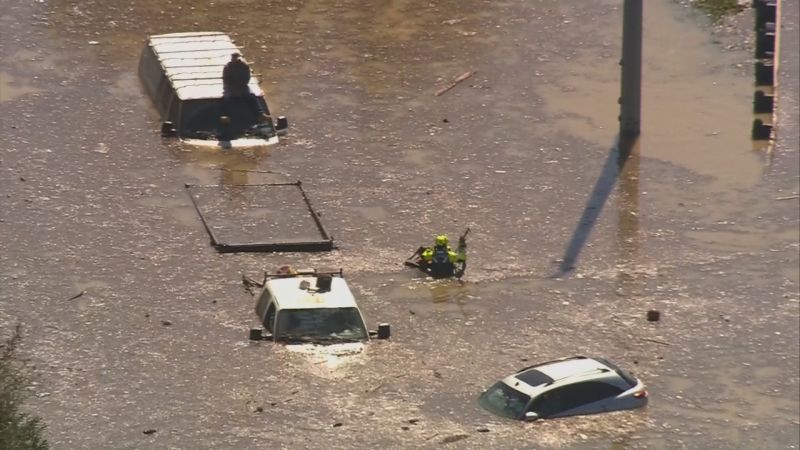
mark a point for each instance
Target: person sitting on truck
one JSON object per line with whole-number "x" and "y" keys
{"x": 236, "y": 77}
{"x": 235, "y": 83}
{"x": 440, "y": 261}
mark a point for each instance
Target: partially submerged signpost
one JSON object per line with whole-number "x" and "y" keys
{"x": 631, "y": 97}
{"x": 260, "y": 218}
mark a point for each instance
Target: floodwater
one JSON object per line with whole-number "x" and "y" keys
{"x": 569, "y": 247}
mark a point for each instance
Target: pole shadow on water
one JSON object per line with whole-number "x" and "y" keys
{"x": 617, "y": 157}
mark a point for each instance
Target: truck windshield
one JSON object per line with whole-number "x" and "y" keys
{"x": 320, "y": 325}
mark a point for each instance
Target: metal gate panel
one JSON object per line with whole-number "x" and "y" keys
{"x": 260, "y": 218}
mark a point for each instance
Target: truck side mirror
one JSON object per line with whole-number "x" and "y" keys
{"x": 257, "y": 334}
{"x": 167, "y": 130}
{"x": 282, "y": 127}
{"x": 384, "y": 331}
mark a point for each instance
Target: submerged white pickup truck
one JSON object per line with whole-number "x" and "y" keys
{"x": 182, "y": 73}
{"x": 310, "y": 307}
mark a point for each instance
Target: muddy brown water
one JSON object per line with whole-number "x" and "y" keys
{"x": 93, "y": 200}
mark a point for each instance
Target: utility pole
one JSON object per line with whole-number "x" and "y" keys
{"x": 631, "y": 93}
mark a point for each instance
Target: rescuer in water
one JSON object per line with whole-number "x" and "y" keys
{"x": 440, "y": 261}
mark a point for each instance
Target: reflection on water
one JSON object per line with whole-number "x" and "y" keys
{"x": 225, "y": 167}
{"x": 11, "y": 88}
{"x": 696, "y": 105}
{"x": 330, "y": 361}
{"x": 449, "y": 291}
{"x": 235, "y": 169}
{"x": 628, "y": 217}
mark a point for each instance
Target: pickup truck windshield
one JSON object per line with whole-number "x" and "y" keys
{"x": 320, "y": 325}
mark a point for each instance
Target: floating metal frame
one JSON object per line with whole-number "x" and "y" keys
{"x": 288, "y": 245}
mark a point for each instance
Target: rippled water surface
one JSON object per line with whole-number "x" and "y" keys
{"x": 568, "y": 248}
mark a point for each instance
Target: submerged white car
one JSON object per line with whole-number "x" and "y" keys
{"x": 311, "y": 307}
{"x": 566, "y": 387}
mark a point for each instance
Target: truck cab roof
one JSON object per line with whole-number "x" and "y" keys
{"x": 302, "y": 292}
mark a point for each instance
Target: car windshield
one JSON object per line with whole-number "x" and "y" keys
{"x": 320, "y": 325}
{"x": 504, "y": 400}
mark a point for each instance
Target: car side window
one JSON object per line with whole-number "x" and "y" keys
{"x": 269, "y": 319}
{"x": 572, "y": 396}
{"x": 548, "y": 403}
{"x": 597, "y": 390}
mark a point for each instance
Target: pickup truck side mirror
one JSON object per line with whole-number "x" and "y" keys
{"x": 384, "y": 331}
{"x": 167, "y": 130}
{"x": 531, "y": 416}
{"x": 282, "y": 126}
{"x": 257, "y": 334}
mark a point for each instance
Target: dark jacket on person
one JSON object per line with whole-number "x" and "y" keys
{"x": 236, "y": 76}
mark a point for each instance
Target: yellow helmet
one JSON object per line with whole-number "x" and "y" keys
{"x": 441, "y": 240}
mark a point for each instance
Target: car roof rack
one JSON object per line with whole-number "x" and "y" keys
{"x": 588, "y": 372}
{"x": 551, "y": 362}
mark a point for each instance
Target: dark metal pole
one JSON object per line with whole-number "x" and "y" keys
{"x": 631, "y": 94}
